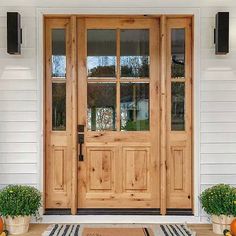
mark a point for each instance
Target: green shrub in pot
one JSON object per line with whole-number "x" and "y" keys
{"x": 17, "y": 204}
{"x": 219, "y": 201}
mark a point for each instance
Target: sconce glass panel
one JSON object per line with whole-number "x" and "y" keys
{"x": 178, "y": 53}
{"x": 59, "y": 53}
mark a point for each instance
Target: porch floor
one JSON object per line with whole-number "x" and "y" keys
{"x": 201, "y": 229}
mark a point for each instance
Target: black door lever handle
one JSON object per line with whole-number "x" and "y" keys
{"x": 81, "y": 141}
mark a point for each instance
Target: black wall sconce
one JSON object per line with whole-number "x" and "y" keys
{"x": 14, "y": 33}
{"x": 221, "y": 33}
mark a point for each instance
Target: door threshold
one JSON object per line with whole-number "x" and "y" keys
{"x": 118, "y": 211}
{"x": 104, "y": 211}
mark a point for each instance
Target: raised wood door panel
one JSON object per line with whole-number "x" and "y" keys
{"x": 57, "y": 107}
{"x": 179, "y": 110}
{"x": 136, "y": 166}
{"x": 120, "y": 167}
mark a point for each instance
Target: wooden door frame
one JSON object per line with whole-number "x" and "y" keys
{"x": 73, "y": 19}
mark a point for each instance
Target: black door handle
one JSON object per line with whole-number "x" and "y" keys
{"x": 81, "y": 141}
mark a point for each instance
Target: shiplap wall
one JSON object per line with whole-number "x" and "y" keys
{"x": 19, "y": 114}
{"x": 218, "y": 105}
{"x": 18, "y": 105}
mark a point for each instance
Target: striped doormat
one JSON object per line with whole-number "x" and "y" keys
{"x": 62, "y": 230}
{"x": 115, "y": 231}
{"x": 76, "y": 230}
{"x": 174, "y": 230}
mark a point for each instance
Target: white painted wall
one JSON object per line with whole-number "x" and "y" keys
{"x": 20, "y": 114}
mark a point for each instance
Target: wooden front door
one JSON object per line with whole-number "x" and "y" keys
{"x": 118, "y": 105}
{"x": 118, "y": 113}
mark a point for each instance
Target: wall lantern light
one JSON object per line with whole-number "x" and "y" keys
{"x": 14, "y": 33}
{"x": 221, "y": 33}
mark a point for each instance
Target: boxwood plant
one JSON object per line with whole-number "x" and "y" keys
{"x": 19, "y": 200}
{"x": 219, "y": 200}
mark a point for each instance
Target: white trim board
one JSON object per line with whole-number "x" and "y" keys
{"x": 196, "y": 95}
{"x": 119, "y": 219}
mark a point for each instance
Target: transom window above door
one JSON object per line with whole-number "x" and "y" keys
{"x": 118, "y": 62}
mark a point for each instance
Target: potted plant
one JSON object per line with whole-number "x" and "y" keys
{"x": 18, "y": 204}
{"x": 219, "y": 201}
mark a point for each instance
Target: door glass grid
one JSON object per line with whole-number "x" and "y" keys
{"x": 112, "y": 90}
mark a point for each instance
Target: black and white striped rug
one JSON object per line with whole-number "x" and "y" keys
{"x": 174, "y": 230}
{"x": 62, "y": 230}
{"x": 160, "y": 230}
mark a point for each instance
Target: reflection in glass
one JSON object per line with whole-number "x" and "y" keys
{"x": 178, "y": 53}
{"x": 58, "y": 53}
{"x": 177, "y": 106}
{"x": 134, "y": 52}
{"x": 101, "y": 113}
{"x": 58, "y": 106}
{"x": 134, "y": 105}
{"x": 101, "y": 53}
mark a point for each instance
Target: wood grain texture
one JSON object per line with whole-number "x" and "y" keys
{"x": 120, "y": 169}
{"x": 179, "y": 143}
{"x": 58, "y": 143}
{"x": 163, "y": 38}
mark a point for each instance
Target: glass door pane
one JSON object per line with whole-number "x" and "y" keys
{"x": 178, "y": 53}
{"x": 101, "y": 53}
{"x": 101, "y": 114}
{"x": 134, "y": 52}
{"x": 134, "y": 106}
{"x": 59, "y": 53}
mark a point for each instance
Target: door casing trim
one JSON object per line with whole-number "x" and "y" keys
{"x": 124, "y": 11}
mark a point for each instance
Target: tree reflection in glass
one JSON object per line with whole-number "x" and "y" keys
{"x": 178, "y": 53}
{"x": 177, "y": 106}
{"x": 58, "y": 53}
{"x": 101, "y": 114}
{"x": 59, "y": 106}
{"x": 134, "y": 52}
{"x": 134, "y": 105}
{"x": 101, "y": 53}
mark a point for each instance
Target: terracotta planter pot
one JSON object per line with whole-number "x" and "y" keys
{"x": 17, "y": 225}
{"x": 220, "y": 223}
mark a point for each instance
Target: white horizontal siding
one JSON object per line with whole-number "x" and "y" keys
{"x": 218, "y": 138}
{"x": 16, "y": 84}
{"x": 218, "y": 117}
{"x": 18, "y": 126}
{"x": 16, "y": 157}
{"x": 218, "y": 148}
{"x": 18, "y": 105}
{"x": 16, "y": 95}
{"x": 218, "y": 106}
{"x": 18, "y": 115}
{"x": 22, "y": 178}
{"x": 218, "y": 158}
{"x": 18, "y": 168}
{"x": 218, "y": 127}
{"x": 18, "y": 147}
{"x": 218, "y": 96}
{"x": 215, "y": 169}
{"x": 218, "y": 178}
